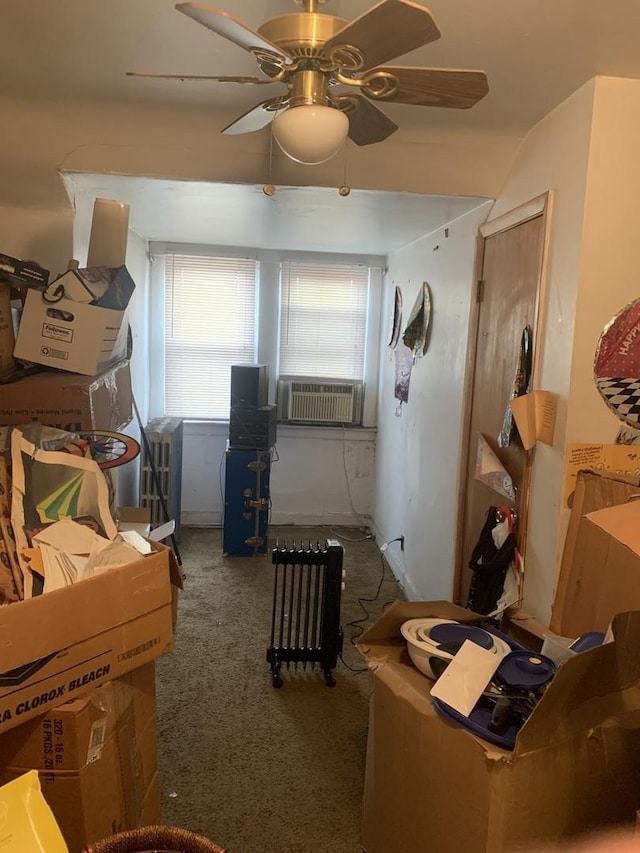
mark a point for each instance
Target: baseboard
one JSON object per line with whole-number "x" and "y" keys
{"x": 196, "y": 518}
{"x": 395, "y": 560}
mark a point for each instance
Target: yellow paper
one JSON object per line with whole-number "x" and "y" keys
{"x": 613, "y": 459}
{"x": 535, "y": 417}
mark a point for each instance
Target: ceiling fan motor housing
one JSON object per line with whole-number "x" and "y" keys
{"x": 302, "y": 35}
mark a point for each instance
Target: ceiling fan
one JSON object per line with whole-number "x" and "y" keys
{"x": 315, "y": 55}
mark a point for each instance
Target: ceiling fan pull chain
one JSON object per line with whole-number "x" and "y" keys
{"x": 345, "y": 189}
{"x": 269, "y": 189}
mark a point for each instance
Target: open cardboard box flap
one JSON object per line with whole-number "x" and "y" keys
{"x": 587, "y": 690}
{"x": 86, "y": 609}
{"x": 384, "y": 641}
{"x": 600, "y": 568}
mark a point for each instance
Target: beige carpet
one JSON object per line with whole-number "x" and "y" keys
{"x": 254, "y": 768}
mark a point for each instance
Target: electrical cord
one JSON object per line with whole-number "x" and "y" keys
{"x": 358, "y": 623}
{"x": 341, "y": 535}
{"x": 352, "y": 668}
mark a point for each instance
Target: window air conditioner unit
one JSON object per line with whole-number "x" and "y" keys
{"x": 304, "y": 400}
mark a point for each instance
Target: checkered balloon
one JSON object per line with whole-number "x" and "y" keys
{"x": 617, "y": 365}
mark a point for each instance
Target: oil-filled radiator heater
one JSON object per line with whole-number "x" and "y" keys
{"x": 305, "y": 624}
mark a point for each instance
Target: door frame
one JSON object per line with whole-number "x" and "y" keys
{"x": 538, "y": 206}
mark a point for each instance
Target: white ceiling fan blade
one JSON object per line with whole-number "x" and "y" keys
{"x": 218, "y": 78}
{"x": 256, "y": 118}
{"x": 233, "y": 30}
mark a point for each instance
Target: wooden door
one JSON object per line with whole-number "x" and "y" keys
{"x": 508, "y": 296}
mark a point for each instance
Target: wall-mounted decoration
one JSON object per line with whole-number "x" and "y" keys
{"x": 416, "y": 334}
{"x": 404, "y": 364}
{"x": 535, "y": 417}
{"x": 617, "y": 364}
{"x": 491, "y": 471}
{"x": 397, "y": 319}
{"x": 520, "y": 386}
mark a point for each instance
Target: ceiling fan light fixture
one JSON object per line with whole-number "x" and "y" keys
{"x": 311, "y": 133}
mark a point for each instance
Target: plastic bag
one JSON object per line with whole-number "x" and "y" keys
{"x": 28, "y": 823}
{"x": 49, "y": 485}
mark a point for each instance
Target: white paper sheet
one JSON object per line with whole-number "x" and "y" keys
{"x": 69, "y": 536}
{"x": 467, "y": 676}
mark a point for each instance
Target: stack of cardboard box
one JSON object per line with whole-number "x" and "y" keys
{"x": 66, "y": 363}
{"x": 96, "y": 756}
{"x": 77, "y": 690}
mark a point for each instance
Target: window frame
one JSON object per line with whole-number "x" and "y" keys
{"x": 288, "y": 369}
{"x": 268, "y": 308}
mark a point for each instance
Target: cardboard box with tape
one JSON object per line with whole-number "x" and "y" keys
{"x": 96, "y": 756}
{"x": 59, "y": 645}
{"x": 432, "y": 786}
{"x": 69, "y": 401}
{"x": 78, "y": 323}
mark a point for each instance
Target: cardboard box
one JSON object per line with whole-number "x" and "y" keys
{"x": 7, "y": 340}
{"x": 136, "y": 518}
{"x": 599, "y": 572}
{"x": 71, "y": 735}
{"x": 61, "y": 644}
{"x": 69, "y": 401}
{"x": 96, "y": 757}
{"x": 431, "y": 785}
{"x": 151, "y": 808}
{"x": 78, "y": 336}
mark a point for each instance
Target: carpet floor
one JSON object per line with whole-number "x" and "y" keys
{"x": 254, "y": 768}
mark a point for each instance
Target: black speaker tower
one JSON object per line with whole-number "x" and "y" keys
{"x": 249, "y": 385}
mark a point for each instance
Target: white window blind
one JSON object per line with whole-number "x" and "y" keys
{"x": 210, "y": 324}
{"x": 323, "y": 319}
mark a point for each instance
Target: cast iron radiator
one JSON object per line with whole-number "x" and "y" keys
{"x": 305, "y": 622}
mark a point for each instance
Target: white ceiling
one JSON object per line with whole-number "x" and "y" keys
{"x": 535, "y": 54}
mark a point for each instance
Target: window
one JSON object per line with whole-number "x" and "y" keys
{"x": 210, "y": 323}
{"x": 323, "y": 320}
{"x": 307, "y": 315}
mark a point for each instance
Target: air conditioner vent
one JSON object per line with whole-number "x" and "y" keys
{"x": 320, "y": 401}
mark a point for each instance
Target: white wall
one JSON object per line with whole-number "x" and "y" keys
{"x": 586, "y": 152}
{"x": 417, "y": 454}
{"x": 40, "y": 138}
{"x": 610, "y": 262}
{"x": 320, "y": 476}
{"x": 554, "y": 156}
{"x": 125, "y": 479}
